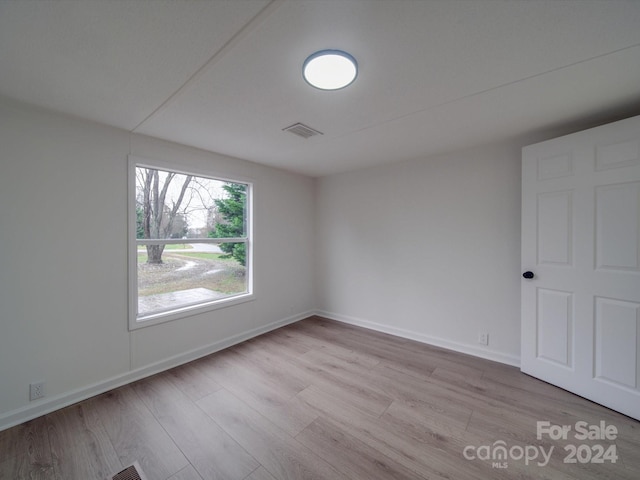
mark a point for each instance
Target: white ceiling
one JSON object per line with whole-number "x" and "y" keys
{"x": 225, "y": 75}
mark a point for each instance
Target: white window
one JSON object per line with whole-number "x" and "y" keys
{"x": 189, "y": 243}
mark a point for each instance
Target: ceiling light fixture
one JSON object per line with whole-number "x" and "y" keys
{"x": 330, "y": 69}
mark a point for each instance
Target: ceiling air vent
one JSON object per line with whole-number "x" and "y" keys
{"x": 302, "y": 130}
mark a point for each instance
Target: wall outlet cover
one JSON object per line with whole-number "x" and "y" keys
{"x": 36, "y": 390}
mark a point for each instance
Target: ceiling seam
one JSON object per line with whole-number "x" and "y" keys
{"x": 490, "y": 89}
{"x": 221, "y": 52}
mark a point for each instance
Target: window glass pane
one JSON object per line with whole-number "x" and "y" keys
{"x": 179, "y": 208}
{"x": 190, "y": 274}
{"x": 175, "y": 205}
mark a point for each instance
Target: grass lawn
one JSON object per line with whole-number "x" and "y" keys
{"x": 183, "y": 271}
{"x": 142, "y": 257}
{"x": 207, "y": 256}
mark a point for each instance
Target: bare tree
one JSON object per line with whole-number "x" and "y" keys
{"x": 157, "y": 216}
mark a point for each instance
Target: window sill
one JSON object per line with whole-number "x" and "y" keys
{"x": 136, "y": 323}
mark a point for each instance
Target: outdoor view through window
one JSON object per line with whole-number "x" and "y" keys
{"x": 191, "y": 241}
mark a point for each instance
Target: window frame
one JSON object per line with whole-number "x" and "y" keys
{"x": 188, "y": 310}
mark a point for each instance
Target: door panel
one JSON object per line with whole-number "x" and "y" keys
{"x": 617, "y": 226}
{"x": 555, "y": 235}
{"x": 618, "y": 155}
{"x": 555, "y": 326}
{"x": 617, "y": 341}
{"x": 554, "y": 167}
{"x": 581, "y": 238}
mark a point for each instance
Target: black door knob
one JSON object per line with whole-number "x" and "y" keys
{"x": 528, "y": 275}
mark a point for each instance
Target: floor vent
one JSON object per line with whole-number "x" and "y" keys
{"x": 302, "y": 130}
{"x": 130, "y": 473}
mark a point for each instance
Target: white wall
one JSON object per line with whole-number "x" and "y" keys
{"x": 63, "y": 261}
{"x": 426, "y": 249}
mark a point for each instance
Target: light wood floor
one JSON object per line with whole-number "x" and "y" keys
{"x": 317, "y": 399}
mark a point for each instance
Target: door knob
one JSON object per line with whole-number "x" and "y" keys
{"x": 528, "y": 275}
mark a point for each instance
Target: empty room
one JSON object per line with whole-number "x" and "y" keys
{"x": 319, "y": 239}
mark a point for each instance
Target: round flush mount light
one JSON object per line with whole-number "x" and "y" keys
{"x": 330, "y": 69}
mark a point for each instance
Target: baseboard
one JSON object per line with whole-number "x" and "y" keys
{"x": 48, "y": 405}
{"x": 505, "y": 358}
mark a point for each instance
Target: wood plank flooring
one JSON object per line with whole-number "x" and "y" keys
{"x": 320, "y": 400}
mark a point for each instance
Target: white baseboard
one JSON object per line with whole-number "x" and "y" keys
{"x": 48, "y": 405}
{"x": 486, "y": 353}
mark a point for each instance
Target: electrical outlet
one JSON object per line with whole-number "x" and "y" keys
{"x": 483, "y": 338}
{"x": 36, "y": 391}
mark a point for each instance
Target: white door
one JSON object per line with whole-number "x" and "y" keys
{"x": 581, "y": 241}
